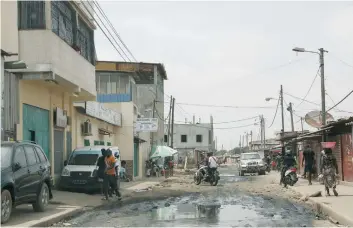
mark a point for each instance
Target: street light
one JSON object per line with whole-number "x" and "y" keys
{"x": 323, "y": 101}
{"x": 270, "y": 98}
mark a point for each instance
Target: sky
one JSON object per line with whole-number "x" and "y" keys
{"x": 237, "y": 54}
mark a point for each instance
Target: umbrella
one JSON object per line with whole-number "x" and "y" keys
{"x": 163, "y": 151}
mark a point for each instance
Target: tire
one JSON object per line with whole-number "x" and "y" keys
{"x": 6, "y": 206}
{"x": 42, "y": 199}
{"x": 242, "y": 173}
{"x": 197, "y": 179}
{"x": 214, "y": 181}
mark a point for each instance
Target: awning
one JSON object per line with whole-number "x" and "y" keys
{"x": 139, "y": 140}
{"x": 103, "y": 131}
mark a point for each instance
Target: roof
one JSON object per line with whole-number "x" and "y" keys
{"x": 160, "y": 67}
{"x": 346, "y": 121}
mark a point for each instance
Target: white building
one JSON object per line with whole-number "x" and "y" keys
{"x": 191, "y": 137}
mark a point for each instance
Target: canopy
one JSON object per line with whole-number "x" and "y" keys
{"x": 163, "y": 151}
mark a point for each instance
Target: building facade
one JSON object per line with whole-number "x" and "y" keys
{"x": 192, "y": 137}
{"x": 260, "y": 145}
{"x": 56, "y": 41}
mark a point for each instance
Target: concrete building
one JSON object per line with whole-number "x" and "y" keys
{"x": 56, "y": 41}
{"x": 135, "y": 90}
{"x": 192, "y": 138}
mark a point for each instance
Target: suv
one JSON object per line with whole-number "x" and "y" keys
{"x": 25, "y": 177}
{"x": 251, "y": 163}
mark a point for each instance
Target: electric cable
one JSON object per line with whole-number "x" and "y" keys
{"x": 311, "y": 86}
{"x": 233, "y": 121}
{"x": 279, "y": 99}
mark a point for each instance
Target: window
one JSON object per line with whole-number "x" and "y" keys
{"x": 85, "y": 40}
{"x": 101, "y": 143}
{"x": 114, "y": 83}
{"x": 31, "y": 155}
{"x": 86, "y": 142}
{"x": 40, "y": 154}
{"x": 109, "y": 143}
{"x": 20, "y": 157}
{"x": 63, "y": 20}
{"x": 96, "y": 143}
{"x": 165, "y": 138}
{"x": 103, "y": 83}
{"x": 184, "y": 138}
{"x": 31, "y": 14}
{"x": 124, "y": 84}
{"x": 199, "y": 138}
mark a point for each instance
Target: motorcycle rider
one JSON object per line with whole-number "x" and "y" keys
{"x": 329, "y": 167}
{"x": 288, "y": 161}
{"x": 212, "y": 163}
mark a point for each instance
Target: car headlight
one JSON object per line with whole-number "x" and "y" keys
{"x": 65, "y": 173}
{"x": 261, "y": 163}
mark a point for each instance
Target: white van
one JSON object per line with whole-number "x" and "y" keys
{"x": 80, "y": 170}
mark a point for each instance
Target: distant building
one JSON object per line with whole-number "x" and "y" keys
{"x": 192, "y": 138}
{"x": 258, "y": 145}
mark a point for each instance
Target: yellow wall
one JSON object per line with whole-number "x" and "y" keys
{"x": 96, "y": 123}
{"x": 46, "y": 96}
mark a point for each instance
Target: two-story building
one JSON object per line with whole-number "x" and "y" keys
{"x": 190, "y": 139}
{"x": 135, "y": 90}
{"x": 56, "y": 41}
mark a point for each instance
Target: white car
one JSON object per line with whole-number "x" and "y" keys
{"x": 251, "y": 163}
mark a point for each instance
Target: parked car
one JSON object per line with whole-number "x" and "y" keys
{"x": 25, "y": 177}
{"x": 251, "y": 162}
{"x": 80, "y": 170}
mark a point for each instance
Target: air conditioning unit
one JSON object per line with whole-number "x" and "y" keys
{"x": 86, "y": 128}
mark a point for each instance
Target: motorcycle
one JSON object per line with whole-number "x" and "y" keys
{"x": 268, "y": 168}
{"x": 201, "y": 173}
{"x": 290, "y": 177}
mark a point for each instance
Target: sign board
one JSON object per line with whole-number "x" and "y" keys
{"x": 146, "y": 125}
{"x": 60, "y": 118}
{"x": 98, "y": 111}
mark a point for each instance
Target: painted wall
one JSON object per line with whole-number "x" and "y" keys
{"x": 192, "y": 130}
{"x": 9, "y": 34}
{"x": 57, "y": 55}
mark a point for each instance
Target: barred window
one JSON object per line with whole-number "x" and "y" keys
{"x": 63, "y": 20}
{"x": 31, "y": 14}
{"x": 85, "y": 40}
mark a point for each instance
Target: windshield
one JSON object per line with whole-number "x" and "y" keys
{"x": 5, "y": 156}
{"x": 83, "y": 158}
{"x": 250, "y": 156}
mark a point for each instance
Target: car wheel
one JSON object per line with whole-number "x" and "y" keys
{"x": 242, "y": 173}
{"x": 6, "y": 206}
{"x": 42, "y": 199}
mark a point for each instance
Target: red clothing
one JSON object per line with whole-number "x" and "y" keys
{"x": 171, "y": 164}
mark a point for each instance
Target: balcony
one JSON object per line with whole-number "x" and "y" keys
{"x": 44, "y": 51}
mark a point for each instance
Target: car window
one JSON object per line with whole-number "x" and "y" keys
{"x": 40, "y": 154}
{"x": 31, "y": 155}
{"x": 6, "y": 156}
{"x": 20, "y": 157}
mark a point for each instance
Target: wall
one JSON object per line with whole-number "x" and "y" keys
{"x": 144, "y": 151}
{"x": 96, "y": 123}
{"x": 347, "y": 157}
{"x": 191, "y": 130}
{"x": 9, "y": 34}
{"x": 62, "y": 58}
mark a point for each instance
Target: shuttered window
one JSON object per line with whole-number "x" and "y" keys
{"x": 31, "y": 14}
{"x": 96, "y": 143}
{"x": 85, "y": 41}
{"x": 63, "y": 20}
{"x": 109, "y": 143}
{"x": 86, "y": 142}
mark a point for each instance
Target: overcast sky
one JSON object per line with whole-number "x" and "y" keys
{"x": 237, "y": 54}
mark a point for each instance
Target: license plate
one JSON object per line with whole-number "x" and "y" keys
{"x": 79, "y": 182}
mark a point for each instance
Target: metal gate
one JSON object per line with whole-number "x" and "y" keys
{"x": 36, "y": 126}
{"x": 136, "y": 159}
{"x": 58, "y": 151}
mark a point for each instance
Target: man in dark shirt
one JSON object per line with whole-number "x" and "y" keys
{"x": 101, "y": 168}
{"x": 308, "y": 158}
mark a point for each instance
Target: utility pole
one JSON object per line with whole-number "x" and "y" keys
{"x": 240, "y": 142}
{"x": 251, "y": 139}
{"x": 247, "y": 139}
{"x": 172, "y": 131}
{"x": 290, "y": 109}
{"x": 169, "y": 120}
{"x": 152, "y": 133}
{"x": 301, "y": 120}
{"x": 323, "y": 92}
{"x": 264, "y": 130}
{"x": 282, "y": 131}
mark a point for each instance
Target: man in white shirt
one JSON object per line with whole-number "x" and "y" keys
{"x": 212, "y": 164}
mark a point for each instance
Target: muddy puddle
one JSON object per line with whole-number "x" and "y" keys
{"x": 218, "y": 210}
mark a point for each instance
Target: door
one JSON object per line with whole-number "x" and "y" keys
{"x": 68, "y": 144}
{"x": 36, "y": 126}
{"x": 21, "y": 176}
{"x": 33, "y": 164}
{"x": 136, "y": 159}
{"x": 58, "y": 151}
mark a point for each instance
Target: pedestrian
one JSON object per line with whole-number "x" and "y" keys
{"x": 117, "y": 170}
{"x": 171, "y": 166}
{"x": 212, "y": 163}
{"x": 308, "y": 159}
{"x": 329, "y": 171}
{"x": 110, "y": 175}
{"x": 101, "y": 169}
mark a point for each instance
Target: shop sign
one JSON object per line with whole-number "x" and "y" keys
{"x": 98, "y": 111}
{"x": 146, "y": 125}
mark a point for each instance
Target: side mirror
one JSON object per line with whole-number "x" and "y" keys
{"x": 16, "y": 166}
{"x": 65, "y": 163}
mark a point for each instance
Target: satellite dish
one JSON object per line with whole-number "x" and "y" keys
{"x": 314, "y": 119}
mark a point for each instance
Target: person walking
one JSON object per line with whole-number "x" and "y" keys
{"x": 308, "y": 159}
{"x": 329, "y": 170}
{"x": 110, "y": 175}
{"x": 101, "y": 169}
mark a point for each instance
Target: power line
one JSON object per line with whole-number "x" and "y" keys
{"x": 114, "y": 30}
{"x": 233, "y": 121}
{"x": 344, "y": 62}
{"x": 311, "y": 86}
{"x": 226, "y": 106}
{"x": 275, "y": 112}
{"x": 225, "y": 128}
{"x": 340, "y": 101}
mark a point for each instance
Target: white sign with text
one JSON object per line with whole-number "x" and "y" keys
{"x": 98, "y": 111}
{"x": 146, "y": 125}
